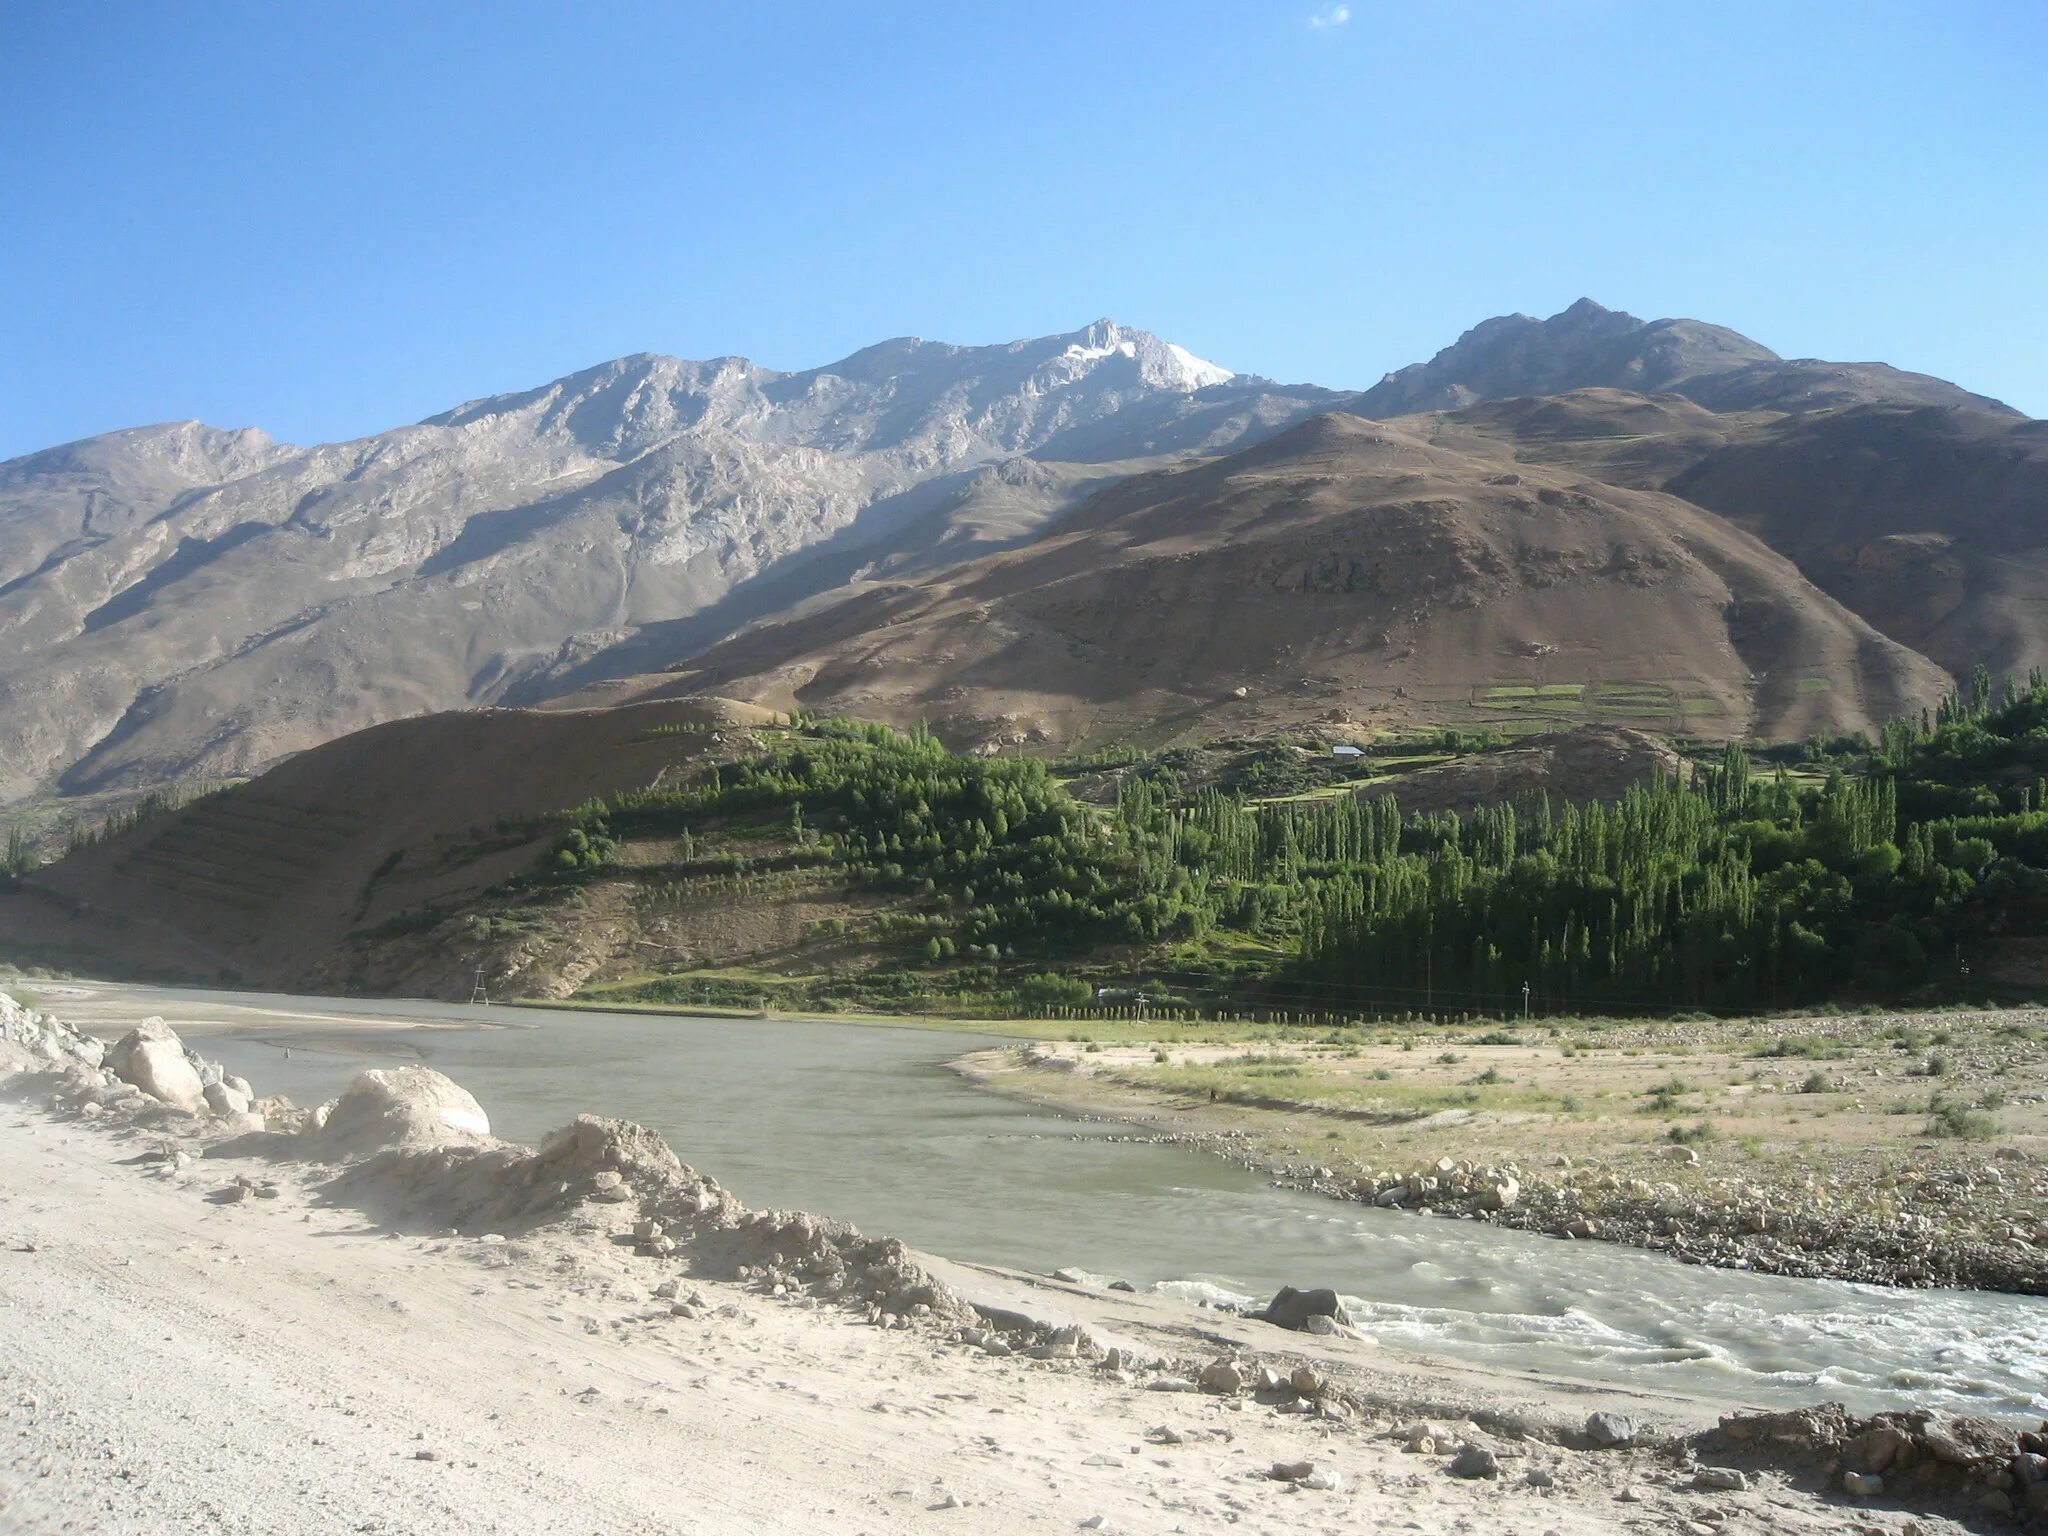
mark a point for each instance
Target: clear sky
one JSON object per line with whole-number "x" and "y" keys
{"x": 328, "y": 218}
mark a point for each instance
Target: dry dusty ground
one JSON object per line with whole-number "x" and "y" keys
{"x": 172, "y": 1364}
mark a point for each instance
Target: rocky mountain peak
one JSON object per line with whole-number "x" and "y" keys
{"x": 1584, "y": 347}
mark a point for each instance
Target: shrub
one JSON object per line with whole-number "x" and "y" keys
{"x": 1949, "y": 1121}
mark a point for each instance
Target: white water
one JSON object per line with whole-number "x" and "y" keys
{"x": 865, "y": 1124}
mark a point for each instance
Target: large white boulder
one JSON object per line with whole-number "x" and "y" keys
{"x": 223, "y": 1100}
{"x": 152, "y": 1058}
{"x": 405, "y": 1106}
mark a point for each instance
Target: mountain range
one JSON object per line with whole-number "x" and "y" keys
{"x": 1076, "y": 539}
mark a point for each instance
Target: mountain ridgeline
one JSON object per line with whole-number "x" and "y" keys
{"x": 1069, "y": 542}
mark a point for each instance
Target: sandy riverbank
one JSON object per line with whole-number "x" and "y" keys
{"x": 184, "y": 1355}
{"x": 1900, "y": 1150}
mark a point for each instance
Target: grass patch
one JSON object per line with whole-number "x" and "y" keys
{"x": 1949, "y": 1121}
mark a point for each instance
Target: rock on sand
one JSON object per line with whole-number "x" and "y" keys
{"x": 153, "y": 1058}
{"x": 405, "y": 1106}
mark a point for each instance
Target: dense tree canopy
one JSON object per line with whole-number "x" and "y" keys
{"x": 1721, "y": 887}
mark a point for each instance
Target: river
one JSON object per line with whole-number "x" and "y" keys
{"x": 866, "y": 1124}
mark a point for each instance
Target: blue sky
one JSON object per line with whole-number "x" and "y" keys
{"x": 328, "y": 218}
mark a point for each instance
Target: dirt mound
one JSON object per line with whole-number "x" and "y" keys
{"x": 627, "y": 1176}
{"x": 1915, "y": 1459}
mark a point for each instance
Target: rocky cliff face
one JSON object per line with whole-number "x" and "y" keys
{"x": 183, "y": 602}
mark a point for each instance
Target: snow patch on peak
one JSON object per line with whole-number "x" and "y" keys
{"x": 1161, "y": 364}
{"x": 1199, "y": 372}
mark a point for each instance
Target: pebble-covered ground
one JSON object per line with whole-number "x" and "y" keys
{"x": 1901, "y": 1149}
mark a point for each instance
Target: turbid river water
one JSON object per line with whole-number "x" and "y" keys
{"x": 866, "y": 1124}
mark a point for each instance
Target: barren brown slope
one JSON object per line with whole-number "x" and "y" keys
{"x": 1346, "y": 569}
{"x": 1928, "y": 521}
{"x": 260, "y": 884}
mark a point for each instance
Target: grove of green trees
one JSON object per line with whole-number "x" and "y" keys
{"x": 1722, "y": 887}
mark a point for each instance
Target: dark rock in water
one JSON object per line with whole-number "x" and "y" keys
{"x": 1123, "y": 1285}
{"x": 1292, "y": 1309}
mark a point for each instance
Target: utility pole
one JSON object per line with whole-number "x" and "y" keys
{"x": 1525, "y": 1002}
{"x": 477, "y": 994}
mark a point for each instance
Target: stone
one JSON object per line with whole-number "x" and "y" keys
{"x": 1862, "y": 1485}
{"x": 152, "y": 1058}
{"x": 1266, "y": 1379}
{"x": 1541, "y": 1477}
{"x": 1608, "y": 1430}
{"x": 223, "y": 1100}
{"x": 1684, "y": 1155}
{"x": 401, "y": 1106}
{"x": 1070, "y": 1277}
{"x": 1878, "y": 1448}
{"x": 1323, "y": 1481}
{"x": 1321, "y": 1326}
{"x": 1947, "y": 1442}
{"x": 1306, "y": 1380}
{"x": 1475, "y": 1461}
{"x": 1500, "y": 1196}
{"x": 1291, "y": 1471}
{"x": 647, "y": 1229}
{"x": 1719, "y": 1480}
{"x": 1166, "y": 1434}
{"x": 1123, "y": 1285}
{"x": 1221, "y": 1376}
{"x": 1073, "y": 1341}
{"x": 1292, "y": 1309}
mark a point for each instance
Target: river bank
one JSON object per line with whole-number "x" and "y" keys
{"x": 300, "y": 1322}
{"x": 1792, "y": 1146}
{"x": 1901, "y": 1150}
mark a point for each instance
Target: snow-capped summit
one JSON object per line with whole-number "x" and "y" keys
{"x": 1161, "y": 364}
{"x": 222, "y": 582}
